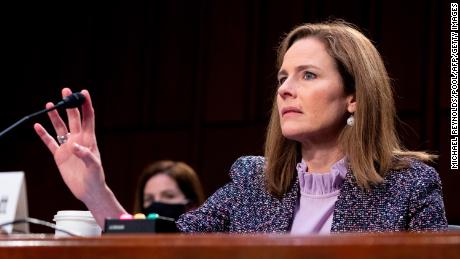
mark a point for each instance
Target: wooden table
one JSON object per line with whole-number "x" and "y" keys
{"x": 165, "y": 246}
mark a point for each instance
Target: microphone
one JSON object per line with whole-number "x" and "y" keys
{"x": 71, "y": 101}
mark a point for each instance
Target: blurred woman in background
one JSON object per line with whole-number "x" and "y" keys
{"x": 168, "y": 188}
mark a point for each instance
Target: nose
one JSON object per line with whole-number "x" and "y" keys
{"x": 287, "y": 89}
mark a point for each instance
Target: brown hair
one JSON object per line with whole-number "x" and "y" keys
{"x": 372, "y": 146}
{"x": 186, "y": 178}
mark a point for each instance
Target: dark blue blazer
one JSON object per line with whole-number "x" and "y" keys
{"x": 408, "y": 200}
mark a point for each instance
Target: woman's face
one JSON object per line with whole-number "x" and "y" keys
{"x": 311, "y": 101}
{"x": 162, "y": 188}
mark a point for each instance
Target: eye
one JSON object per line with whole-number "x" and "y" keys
{"x": 281, "y": 80}
{"x": 169, "y": 195}
{"x": 309, "y": 76}
{"x": 148, "y": 199}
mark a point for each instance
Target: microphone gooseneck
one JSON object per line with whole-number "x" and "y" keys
{"x": 72, "y": 101}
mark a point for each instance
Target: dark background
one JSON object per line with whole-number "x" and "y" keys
{"x": 193, "y": 81}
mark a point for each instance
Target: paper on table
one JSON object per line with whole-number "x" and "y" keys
{"x": 13, "y": 200}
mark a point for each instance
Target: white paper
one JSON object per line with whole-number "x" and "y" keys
{"x": 13, "y": 200}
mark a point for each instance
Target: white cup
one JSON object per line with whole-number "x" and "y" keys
{"x": 77, "y": 222}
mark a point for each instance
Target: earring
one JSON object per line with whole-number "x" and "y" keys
{"x": 351, "y": 120}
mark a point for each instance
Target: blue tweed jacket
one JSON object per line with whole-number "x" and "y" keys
{"x": 407, "y": 200}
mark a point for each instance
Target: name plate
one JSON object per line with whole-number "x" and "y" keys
{"x": 13, "y": 201}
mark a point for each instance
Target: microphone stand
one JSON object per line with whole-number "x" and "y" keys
{"x": 71, "y": 101}
{"x": 26, "y": 118}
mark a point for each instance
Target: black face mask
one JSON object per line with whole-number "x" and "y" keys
{"x": 173, "y": 210}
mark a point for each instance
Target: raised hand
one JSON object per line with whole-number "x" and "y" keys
{"x": 77, "y": 157}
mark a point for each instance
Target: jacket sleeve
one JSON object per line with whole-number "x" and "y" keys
{"x": 215, "y": 214}
{"x": 212, "y": 216}
{"x": 426, "y": 210}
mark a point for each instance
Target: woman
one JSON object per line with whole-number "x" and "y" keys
{"x": 169, "y": 189}
{"x": 333, "y": 162}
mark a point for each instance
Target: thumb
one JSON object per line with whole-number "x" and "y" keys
{"x": 86, "y": 155}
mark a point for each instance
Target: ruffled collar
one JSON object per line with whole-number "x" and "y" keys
{"x": 321, "y": 183}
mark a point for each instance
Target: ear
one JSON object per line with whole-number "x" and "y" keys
{"x": 351, "y": 103}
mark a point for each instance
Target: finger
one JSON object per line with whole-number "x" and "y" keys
{"x": 88, "y": 124}
{"x": 86, "y": 155}
{"x": 73, "y": 114}
{"x": 56, "y": 120}
{"x": 49, "y": 141}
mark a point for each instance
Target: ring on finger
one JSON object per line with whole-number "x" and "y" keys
{"x": 62, "y": 138}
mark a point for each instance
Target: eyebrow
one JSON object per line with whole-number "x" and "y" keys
{"x": 174, "y": 192}
{"x": 283, "y": 72}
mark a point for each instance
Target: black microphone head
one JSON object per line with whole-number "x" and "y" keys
{"x": 73, "y": 101}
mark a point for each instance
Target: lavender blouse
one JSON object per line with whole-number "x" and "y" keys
{"x": 318, "y": 194}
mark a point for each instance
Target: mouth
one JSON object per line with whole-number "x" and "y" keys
{"x": 290, "y": 110}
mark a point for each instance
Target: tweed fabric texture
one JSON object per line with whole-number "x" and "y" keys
{"x": 408, "y": 200}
